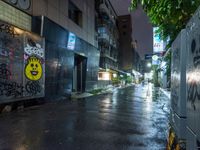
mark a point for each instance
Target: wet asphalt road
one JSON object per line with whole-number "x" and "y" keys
{"x": 134, "y": 118}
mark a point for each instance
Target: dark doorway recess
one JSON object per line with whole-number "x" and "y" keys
{"x": 79, "y": 73}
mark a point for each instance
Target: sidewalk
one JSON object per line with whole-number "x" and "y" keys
{"x": 166, "y": 92}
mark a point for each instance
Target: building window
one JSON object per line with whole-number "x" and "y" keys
{"x": 75, "y": 14}
{"x": 106, "y": 76}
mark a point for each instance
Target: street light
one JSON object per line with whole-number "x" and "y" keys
{"x": 148, "y": 65}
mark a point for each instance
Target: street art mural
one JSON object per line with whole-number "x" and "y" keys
{"x": 33, "y": 69}
{"x": 22, "y": 64}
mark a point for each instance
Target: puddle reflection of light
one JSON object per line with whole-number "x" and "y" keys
{"x": 148, "y": 103}
{"x": 106, "y": 103}
{"x": 114, "y": 98}
{"x": 105, "y": 109}
{"x": 140, "y": 91}
{"x": 148, "y": 107}
{"x": 149, "y": 92}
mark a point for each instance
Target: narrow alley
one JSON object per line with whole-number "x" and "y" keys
{"x": 133, "y": 118}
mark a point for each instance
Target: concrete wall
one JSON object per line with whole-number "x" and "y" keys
{"x": 57, "y": 10}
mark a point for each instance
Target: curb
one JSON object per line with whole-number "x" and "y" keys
{"x": 108, "y": 91}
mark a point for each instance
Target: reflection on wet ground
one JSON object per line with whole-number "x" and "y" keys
{"x": 134, "y": 118}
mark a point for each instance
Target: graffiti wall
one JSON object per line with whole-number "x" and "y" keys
{"x": 21, "y": 64}
{"x": 193, "y": 73}
{"x": 178, "y": 74}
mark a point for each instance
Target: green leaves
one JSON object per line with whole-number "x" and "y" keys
{"x": 169, "y": 15}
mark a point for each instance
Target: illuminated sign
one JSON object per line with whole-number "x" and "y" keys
{"x": 71, "y": 41}
{"x": 158, "y": 45}
{"x": 155, "y": 60}
{"x": 155, "y": 57}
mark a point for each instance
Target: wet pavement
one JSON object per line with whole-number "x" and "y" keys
{"x": 133, "y": 118}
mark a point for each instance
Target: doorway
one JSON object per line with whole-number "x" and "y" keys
{"x": 79, "y": 73}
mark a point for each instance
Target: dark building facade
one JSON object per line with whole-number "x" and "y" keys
{"x": 137, "y": 62}
{"x": 58, "y": 45}
{"x": 67, "y": 70}
{"x": 126, "y": 52}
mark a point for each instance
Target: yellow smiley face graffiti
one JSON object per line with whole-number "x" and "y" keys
{"x": 33, "y": 69}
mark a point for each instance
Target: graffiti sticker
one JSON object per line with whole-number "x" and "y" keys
{"x": 8, "y": 89}
{"x": 4, "y": 72}
{"x": 33, "y": 48}
{"x": 33, "y": 69}
{"x": 33, "y": 87}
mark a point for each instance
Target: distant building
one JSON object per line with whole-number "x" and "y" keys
{"x": 108, "y": 36}
{"x": 126, "y": 53}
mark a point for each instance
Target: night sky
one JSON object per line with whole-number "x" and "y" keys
{"x": 141, "y": 27}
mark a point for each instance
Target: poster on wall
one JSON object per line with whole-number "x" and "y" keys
{"x": 158, "y": 45}
{"x": 21, "y": 64}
